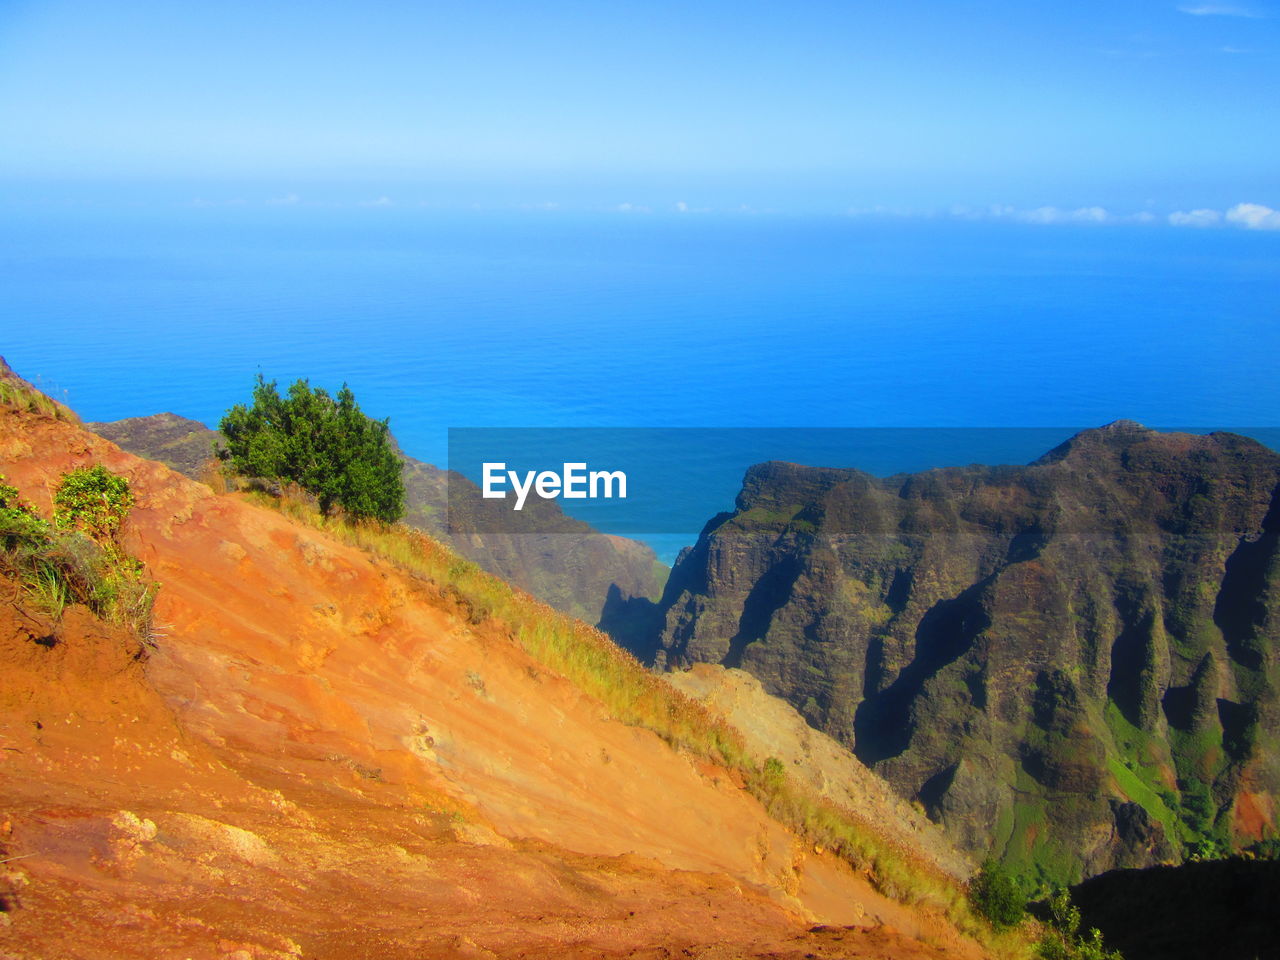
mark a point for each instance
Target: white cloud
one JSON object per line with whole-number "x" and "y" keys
{"x": 632, "y": 208}
{"x": 1045, "y": 215}
{"x": 1194, "y": 218}
{"x": 1055, "y": 215}
{"x": 288, "y": 200}
{"x": 1254, "y": 216}
{"x": 1091, "y": 215}
{"x": 380, "y": 202}
{"x": 1040, "y": 215}
{"x": 881, "y": 210}
{"x": 1218, "y": 10}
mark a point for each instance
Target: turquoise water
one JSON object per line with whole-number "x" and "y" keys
{"x": 555, "y": 320}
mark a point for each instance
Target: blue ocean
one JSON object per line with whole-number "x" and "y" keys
{"x": 548, "y": 319}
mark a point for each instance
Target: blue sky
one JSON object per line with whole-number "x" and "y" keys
{"x": 907, "y": 106}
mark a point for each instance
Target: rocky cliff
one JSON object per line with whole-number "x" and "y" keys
{"x": 561, "y": 561}
{"x": 1072, "y": 664}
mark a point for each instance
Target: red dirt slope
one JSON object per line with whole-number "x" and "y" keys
{"x": 321, "y": 758}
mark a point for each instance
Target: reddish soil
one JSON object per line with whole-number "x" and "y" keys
{"x": 320, "y": 758}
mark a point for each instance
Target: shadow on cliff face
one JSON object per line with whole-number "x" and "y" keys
{"x": 634, "y": 623}
{"x": 1132, "y": 653}
{"x": 882, "y": 721}
{"x": 1241, "y": 608}
{"x": 768, "y": 594}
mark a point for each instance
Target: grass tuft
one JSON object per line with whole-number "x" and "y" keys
{"x": 56, "y": 568}
{"x": 29, "y": 400}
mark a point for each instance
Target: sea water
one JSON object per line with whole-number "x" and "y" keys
{"x": 548, "y": 319}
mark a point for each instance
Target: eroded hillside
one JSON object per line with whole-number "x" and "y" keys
{"x": 317, "y": 754}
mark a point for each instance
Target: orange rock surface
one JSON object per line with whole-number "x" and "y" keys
{"x": 319, "y": 757}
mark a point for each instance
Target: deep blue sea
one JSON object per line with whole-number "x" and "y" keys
{"x": 554, "y": 320}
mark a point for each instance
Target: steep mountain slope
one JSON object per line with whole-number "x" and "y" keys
{"x": 562, "y": 561}
{"x": 316, "y": 754}
{"x": 773, "y": 728}
{"x": 1077, "y": 658}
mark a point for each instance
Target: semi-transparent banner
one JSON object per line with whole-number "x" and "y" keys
{"x": 673, "y": 481}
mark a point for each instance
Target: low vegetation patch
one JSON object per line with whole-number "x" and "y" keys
{"x": 20, "y": 397}
{"x": 77, "y": 558}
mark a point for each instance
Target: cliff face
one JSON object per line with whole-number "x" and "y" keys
{"x": 1073, "y": 663}
{"x": 561, "y": 561}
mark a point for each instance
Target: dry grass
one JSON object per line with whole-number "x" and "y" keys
{"x": 635, "y": 696}
{"x": 28, "y": 400}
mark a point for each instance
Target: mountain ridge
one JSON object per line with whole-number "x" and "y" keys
{"x": 1085, "y": 645}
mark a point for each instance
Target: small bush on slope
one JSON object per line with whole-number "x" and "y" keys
{"x": 77, "y": 559}
{"x": 94, "y": 501}
{"x": 1062, "y": 939}
{"x": 996, "y": 895}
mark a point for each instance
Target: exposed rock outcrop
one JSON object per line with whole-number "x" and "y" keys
{"x": 1074, "y": 662}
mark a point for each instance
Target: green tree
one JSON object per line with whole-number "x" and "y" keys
{"x": 324, "y": 444}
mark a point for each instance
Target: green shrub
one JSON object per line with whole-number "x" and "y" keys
{"x": 20, "y": 527}
{"x": 94, "y": 501}
{"x": 1062, "y": 939}
{"x": 997, "y": 896}
{"x": 774, "y": 772}
{"x": 324, "y": 444}
{"x": 1267, "y": 849}
{"x": 78, "y": 559}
